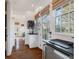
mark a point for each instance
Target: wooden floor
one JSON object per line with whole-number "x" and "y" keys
{"x": 25, "y": 52}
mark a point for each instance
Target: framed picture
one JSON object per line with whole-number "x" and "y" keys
{"x": 22, "y": 24}
{"x": 16, "y": 23}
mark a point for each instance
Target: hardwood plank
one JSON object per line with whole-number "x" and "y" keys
{"x": 25, "y": 52}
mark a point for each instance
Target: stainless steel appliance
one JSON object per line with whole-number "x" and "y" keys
{"x": 58, "y": 49}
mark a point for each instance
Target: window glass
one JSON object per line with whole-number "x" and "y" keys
{"x": 64, "y": 18}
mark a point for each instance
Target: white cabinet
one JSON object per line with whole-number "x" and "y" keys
{"x": 26, "y": 38}
{"x": 40, "y": 44}
{"x": 33, "y": 41}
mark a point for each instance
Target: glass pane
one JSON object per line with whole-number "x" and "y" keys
{"x": 58, "y": 24}
{"x": 66, "y": 8}
{"x": 64, "y": 18}
{"x": 72, "y": 22}
{"x": 58, "y": 19}
{"x": 65, "y": 23}
{"x": 45, "y": 27}
{"x": 58, "y": 12}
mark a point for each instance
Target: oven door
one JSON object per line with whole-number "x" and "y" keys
{"x": 51, "y": 53}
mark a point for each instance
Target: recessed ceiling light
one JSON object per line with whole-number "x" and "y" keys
{"x": 39, "y": 14}
{"x": 33, "y": 5}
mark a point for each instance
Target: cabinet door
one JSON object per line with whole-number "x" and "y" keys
{"x": 33, "y": 41}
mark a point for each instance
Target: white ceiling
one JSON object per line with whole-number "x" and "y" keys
{"x": 22, "y": 7}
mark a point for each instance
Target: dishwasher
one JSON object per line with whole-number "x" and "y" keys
{"x": 52, "y": 53}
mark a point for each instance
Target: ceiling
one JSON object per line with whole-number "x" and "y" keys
{"x": 24, "y": 7}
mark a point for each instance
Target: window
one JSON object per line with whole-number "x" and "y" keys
{"x": 64, "y": 18}
{"x": 58, "y": 19}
